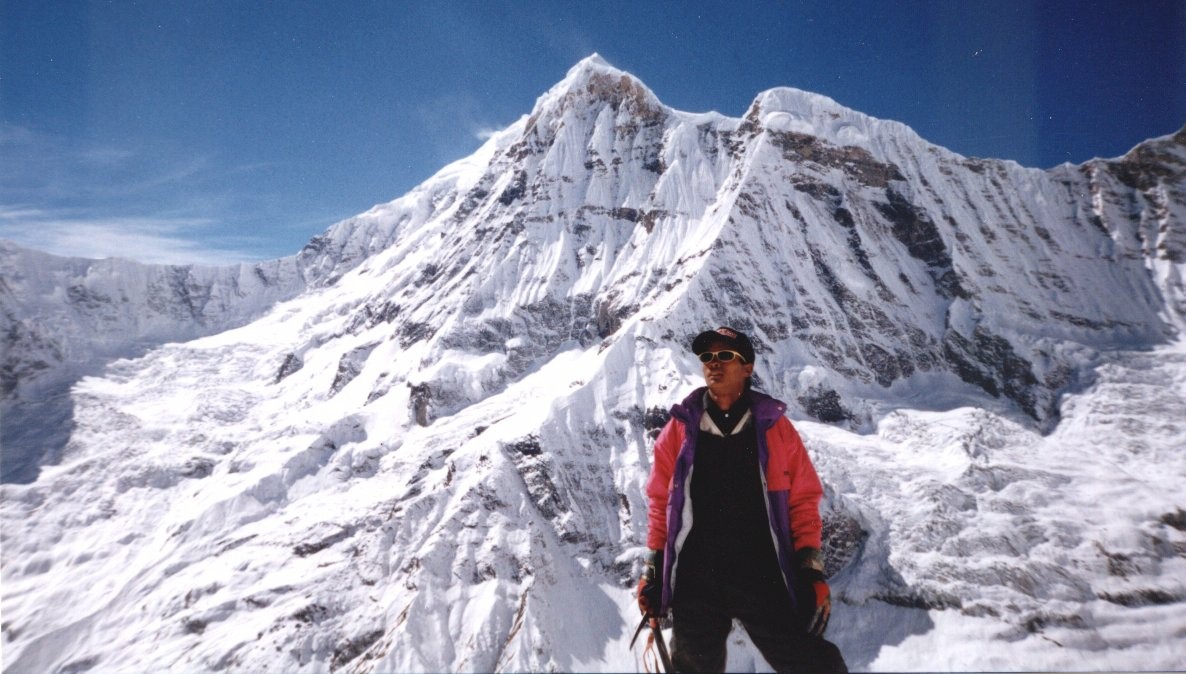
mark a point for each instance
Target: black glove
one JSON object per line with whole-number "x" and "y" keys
{"x": 812, "y": 591}
{"x": 650, "y": 586}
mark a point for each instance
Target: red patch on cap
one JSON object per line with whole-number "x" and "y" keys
{"x": 727, "y": 332}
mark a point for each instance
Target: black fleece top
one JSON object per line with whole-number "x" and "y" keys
{"x": 730, "y": 540}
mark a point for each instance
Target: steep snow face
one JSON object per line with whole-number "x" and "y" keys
{"x": 900, "y": 258}
{"x": 432, "y": 457}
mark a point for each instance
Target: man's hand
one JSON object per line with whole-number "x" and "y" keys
{"x": 812, "y": 587}
{"x": 650, "y": 589}
{"x": 822, "y": 596}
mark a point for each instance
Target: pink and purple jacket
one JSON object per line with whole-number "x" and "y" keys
{"x": 793, "y": 489}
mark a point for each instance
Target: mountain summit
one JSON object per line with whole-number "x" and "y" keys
{"x": 420, "y": 443}
{"x": 594, "y": 79}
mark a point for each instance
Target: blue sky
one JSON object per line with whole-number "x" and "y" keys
{"x": 220, "y": 131}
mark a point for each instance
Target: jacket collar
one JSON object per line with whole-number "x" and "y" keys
{"x": 765, "y": 409}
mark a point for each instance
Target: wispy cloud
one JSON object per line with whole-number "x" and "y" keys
{"x": 465, "y": 114}
{"x": 158, "y": 205}
{"x": 485, "y": 133}
{"x": 144, "y": 239}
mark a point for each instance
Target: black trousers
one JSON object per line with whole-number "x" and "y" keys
{"x": 703, "y": 615}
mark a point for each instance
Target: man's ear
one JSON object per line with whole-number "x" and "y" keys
{"x": 749, "y": 369}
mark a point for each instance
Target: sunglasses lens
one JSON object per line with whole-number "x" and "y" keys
{"x": 723, "y": 356}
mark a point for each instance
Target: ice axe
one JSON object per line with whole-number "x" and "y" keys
{"x": 655, "y": 639}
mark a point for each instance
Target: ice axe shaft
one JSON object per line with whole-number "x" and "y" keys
{"x": 638, "y": 631}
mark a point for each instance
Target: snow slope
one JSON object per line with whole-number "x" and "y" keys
{"x": 432, "y": 458}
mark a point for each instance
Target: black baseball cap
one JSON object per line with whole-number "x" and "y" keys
{"x": 734, "y": 339}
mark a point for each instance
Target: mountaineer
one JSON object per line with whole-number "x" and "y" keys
{"x": 734, "y": 525}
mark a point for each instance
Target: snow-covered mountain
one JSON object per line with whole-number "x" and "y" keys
{"x": 63, "y": 318}
{"x": 420, "y": 444}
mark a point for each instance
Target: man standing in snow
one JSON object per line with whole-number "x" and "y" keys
{"x": 734, "y": 523}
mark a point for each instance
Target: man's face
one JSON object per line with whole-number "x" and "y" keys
{"x": 726, "y": 376}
